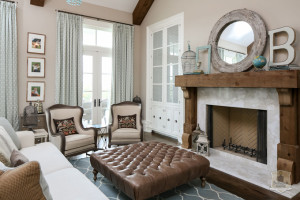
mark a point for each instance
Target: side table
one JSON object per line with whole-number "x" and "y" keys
{"x": 40, "y": 135}
{"x": 101, "y": 131}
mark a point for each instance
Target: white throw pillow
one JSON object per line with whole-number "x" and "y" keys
{"x": 6, "y": 146}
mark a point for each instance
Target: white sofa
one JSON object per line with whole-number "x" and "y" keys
{"x": 65, "y": 182}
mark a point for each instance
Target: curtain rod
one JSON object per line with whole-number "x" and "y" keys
{"x": 99, "y": 19}
{"x": 10, "y": 1}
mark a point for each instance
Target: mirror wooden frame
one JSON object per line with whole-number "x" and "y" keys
{"x": 258, "y": 48}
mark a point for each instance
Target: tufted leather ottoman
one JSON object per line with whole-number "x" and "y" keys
{"x": 146, "y": 169}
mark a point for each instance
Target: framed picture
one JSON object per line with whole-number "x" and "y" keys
{"x": 35, "y": 91}
{"x": 36, "y": 67}
{"x": 36, "y": 43}
{"x": 203, "y": 58}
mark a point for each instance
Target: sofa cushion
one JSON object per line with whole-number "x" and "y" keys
{"x": 49, "y": 157}
{"x": 78, "y": 140}
{"x": 9, "y": 129}
{"x": 24, "y": 182}
{"x": 6, "y": 146}
{"x": 67, "y": 126}
{"x": 70, "y": 184}
{"x": 17, "y": 158}
{"x": 126, "y": 133}
{"x": 128, "y": 121}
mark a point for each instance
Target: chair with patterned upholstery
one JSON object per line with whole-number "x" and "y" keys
{"x": 126, "y": 127}
{"x": 66, "y": 131}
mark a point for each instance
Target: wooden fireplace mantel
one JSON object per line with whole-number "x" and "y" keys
{"x": 287, "y": 84}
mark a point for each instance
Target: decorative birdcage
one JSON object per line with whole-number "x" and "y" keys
{"x": 30, "y": 117}
{"x": 188, "y": 61}
{"x": 137, "y": 99}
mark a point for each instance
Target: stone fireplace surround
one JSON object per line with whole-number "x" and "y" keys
{"x": 277, "y": 92}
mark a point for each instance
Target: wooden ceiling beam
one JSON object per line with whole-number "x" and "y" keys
{"x": 37, "y": 2}
{"x": 141, "y": 11}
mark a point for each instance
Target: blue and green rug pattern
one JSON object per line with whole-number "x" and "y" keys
{"x": 189, "y": 191}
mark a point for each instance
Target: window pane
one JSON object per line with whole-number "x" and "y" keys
{"x": 157, "y": 40}
{"x": 89, "y": 36}
{"x": 173, "y": 35}
{"x": 157, "y": 74}
{"x": 87, "y": 99}
{"x": 88, "y": 82}
{"x": 157, "y": 93}
{"x": 172, "y": 94}
{"x": 172, "y": 54}
{"x": 106, "y": 65}
{"x": 104, "y": 39}
{"x": 106, "y": 82}
{"x": 171, "y": 73}
{"x": 87, "y": 64}
{"x": 157, "y": 57}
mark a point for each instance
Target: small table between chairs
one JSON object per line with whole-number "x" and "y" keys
{"x": 101, "y": 131}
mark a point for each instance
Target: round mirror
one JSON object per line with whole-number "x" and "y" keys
{"x": 236, "y": 39}
{"x": 235, "y": 42}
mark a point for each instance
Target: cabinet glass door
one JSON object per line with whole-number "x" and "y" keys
{"x": 157, "y": 66}
{"x": 172, "y": 63}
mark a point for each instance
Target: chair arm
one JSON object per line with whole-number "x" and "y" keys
{"x": 26, "y": 138}
{"x": 59, "y": 140}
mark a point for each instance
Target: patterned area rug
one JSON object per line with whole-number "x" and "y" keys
{"x": 190, "y": 191}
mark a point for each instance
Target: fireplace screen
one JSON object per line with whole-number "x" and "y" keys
{"x": 239, "y": 131}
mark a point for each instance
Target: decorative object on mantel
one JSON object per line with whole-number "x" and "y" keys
{"x": 74, "y": 2}
{"x": 202, "y": 63}
{"x": 39, "y": 107}
{"x": 257, "y": 47}
{"x": 286, "y": 46}
{"x": 188, "y": 61}
{"x": 259, "y": 62}
{"x": 30, "y": 117}
{"x": 202, "y": 143}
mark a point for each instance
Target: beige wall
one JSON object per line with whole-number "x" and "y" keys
{"x": 201, "y": 15}
{"x": 43, "y": 20}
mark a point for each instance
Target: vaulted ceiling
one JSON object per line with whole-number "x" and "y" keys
{"x": 123, "y": 5}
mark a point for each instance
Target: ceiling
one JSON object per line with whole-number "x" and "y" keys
{"x": 123, "y": 5}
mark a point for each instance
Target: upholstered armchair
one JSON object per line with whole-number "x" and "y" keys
{"x": 86, "y": 138}
{"x": 118, "y": 135}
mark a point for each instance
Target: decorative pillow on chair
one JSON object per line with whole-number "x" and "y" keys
{"x": 23, "y": 182}
{"x": 67, "y": 126}
{"x": 128, "y": 121}
{"x": 17, "y": 158}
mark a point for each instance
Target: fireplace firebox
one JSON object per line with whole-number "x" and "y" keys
{"x": 238, "y": 131}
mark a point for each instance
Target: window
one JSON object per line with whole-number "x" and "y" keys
{"x": 97, "y": 71}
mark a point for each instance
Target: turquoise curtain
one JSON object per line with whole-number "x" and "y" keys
{"x": 122, "y": 78}
{"x": 8, "y": 64}
{"x": 69, "y": 78}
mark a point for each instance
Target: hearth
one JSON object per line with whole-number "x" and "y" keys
{"x": 239, "y": 131}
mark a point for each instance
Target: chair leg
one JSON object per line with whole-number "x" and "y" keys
{"x": 95, "y": 172}
{"x": 203, "y": 182}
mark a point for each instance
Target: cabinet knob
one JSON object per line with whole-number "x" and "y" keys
{"x": 159, "y": 117}
{"x": 153, "y": 116}
{"x": 175, "y": 121}
{"x": 168, "y": 119}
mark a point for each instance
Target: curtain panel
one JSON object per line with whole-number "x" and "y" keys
{"x": 8, "y": 64}
{"x": 122, "y": 78}
{"x": 69, "y": 81}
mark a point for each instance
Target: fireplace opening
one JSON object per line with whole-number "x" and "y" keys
{"x": 239, "y": 131}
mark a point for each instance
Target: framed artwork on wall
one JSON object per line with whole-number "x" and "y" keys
{"x": 36, "y": 67}
{"x": 36, "y": 43}
{"x": 35, "y": 91}
{"x": 203, "y": 58}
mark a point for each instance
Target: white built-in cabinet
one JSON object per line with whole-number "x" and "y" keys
{"x": 164, "y": 101}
